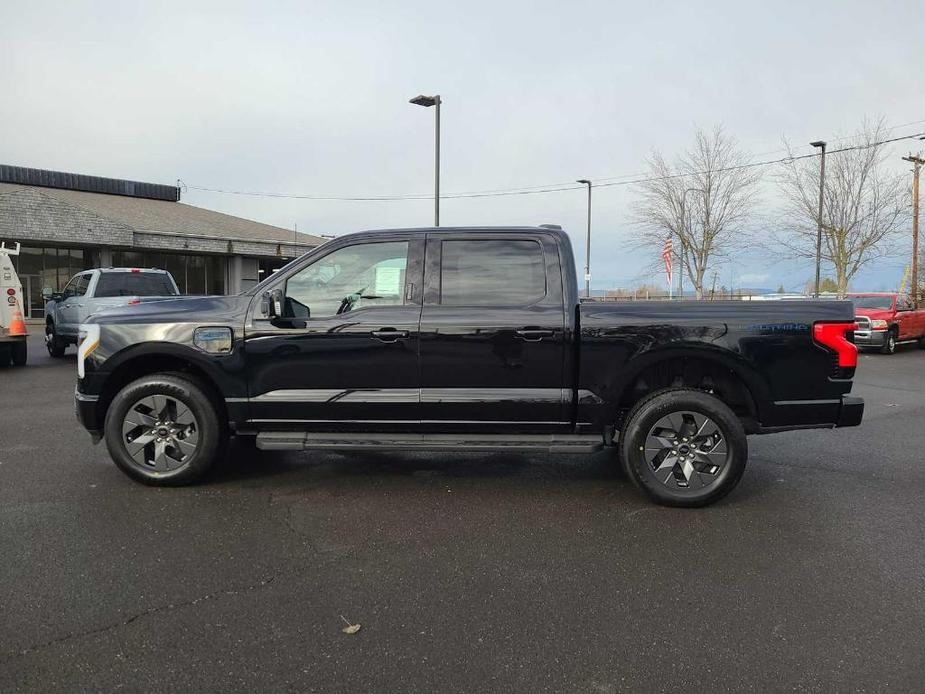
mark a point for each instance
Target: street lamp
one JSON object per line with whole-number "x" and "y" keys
{"x": 586, "y": 182}
{"x": 821, "y": 145}
{"x": 427, "y": 101}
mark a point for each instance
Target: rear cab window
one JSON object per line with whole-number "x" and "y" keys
{"x": 112, "y": 284}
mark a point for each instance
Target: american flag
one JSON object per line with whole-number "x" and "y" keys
{"x": 666, "y": 257}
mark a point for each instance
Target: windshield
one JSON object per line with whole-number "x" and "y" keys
{"x": 878, "y": 302}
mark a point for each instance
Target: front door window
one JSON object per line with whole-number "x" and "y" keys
{"x": 366, "y": 275}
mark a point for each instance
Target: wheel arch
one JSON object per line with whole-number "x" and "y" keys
{"x": 144, "y": 361}
{"x": 731, "y": 379}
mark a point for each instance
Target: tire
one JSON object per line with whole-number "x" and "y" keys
{"x": 889, "y": 347}
{"x": 19, "y": 353}
{"x": 676, "y": 472}
{"x": 178, "y": 446}
{"x": 5, "y": 355}
{"x": 56, "y": 346}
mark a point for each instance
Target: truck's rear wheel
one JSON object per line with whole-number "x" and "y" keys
{"x": 683, "y": 447}
{"x": 56, "y": 346}
{"x": 19, "y": 353}
{"x": 164, "y": 430}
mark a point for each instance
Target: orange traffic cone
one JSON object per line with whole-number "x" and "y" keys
{"x": 17, "y": 325}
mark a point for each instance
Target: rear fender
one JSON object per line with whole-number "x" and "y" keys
{"x": 614, "y": 384}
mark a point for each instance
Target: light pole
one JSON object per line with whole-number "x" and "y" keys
{"x": 588, "y": 242}
{"x": 820, "y": 144}
{"x": 428, "y": 101}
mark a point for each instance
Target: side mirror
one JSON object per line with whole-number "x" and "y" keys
{"x": 47, "y": 293}
{"x": 272, "y": 304}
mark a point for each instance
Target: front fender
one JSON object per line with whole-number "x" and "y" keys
{"x": 129, "y": 347}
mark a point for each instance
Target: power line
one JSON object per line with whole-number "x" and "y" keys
{"x": 615, "y": 181}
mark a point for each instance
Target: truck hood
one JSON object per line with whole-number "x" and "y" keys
{"x": 199, "y": 309}
{"x": 874, "y": 313}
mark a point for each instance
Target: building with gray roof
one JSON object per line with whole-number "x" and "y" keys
{"x": 70, "y": 222}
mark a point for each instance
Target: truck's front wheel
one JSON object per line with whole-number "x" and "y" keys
{"x": 889, "y": 342}
{"x": 56, "y": 346}
{"x": 164, "y": 430}
{"x": 683, "y": 447}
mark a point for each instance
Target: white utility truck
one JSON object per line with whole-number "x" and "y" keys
{"x": 12, "y": 326}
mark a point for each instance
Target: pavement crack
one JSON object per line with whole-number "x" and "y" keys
{"x": 169, "y": 607}
{"x": 289, "y": 523}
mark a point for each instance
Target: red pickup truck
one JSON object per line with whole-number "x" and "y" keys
{"x": 885, "y": 320}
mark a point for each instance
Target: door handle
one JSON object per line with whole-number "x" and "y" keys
{"x": 533, "y": 334}
{"x": 390, "y": 334}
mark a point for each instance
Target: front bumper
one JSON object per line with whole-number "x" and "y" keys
{"x": 870, "y": 338}
{"x": 86, "y": 410}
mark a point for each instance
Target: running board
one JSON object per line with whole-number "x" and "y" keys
{"x": 324, "y": 441}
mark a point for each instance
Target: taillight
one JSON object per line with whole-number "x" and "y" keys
{"x": 11, "y": 291}
{"x": 835, "y": 337}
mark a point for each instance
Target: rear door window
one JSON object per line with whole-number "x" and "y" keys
{"x": 492, "y": 272}
{"x": 134, "y": 284}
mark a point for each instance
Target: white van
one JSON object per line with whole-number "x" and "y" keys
{"x": 12, "y": 328}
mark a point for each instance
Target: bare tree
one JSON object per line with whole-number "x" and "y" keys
{"x": 864, "y": 206}
{"x": 704, "y": 202}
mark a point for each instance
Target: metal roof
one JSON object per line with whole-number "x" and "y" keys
{"x": 89, "y": 184}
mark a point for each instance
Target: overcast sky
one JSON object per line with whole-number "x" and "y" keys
{"x": 312, "y": 98}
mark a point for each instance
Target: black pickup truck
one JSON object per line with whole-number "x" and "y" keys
{"x": 461, "y": 339}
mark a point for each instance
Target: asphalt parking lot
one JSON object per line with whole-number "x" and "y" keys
{"x": 476, "y": 573}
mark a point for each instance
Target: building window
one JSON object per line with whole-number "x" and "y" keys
{"x": 40, "y": 268}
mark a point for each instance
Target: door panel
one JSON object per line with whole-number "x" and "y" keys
{"x": 71, "y": 312}
{"x": 492, "y": 331}
{"x": 357, "y": 365}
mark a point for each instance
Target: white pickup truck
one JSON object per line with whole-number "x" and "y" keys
{"x": 93, "y": 291}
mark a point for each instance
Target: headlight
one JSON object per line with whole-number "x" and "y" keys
{"x": 878, "y": 324}
{"x": 88, "y": 339}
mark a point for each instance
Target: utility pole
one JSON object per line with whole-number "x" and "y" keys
{"x": 917, "y": 162}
